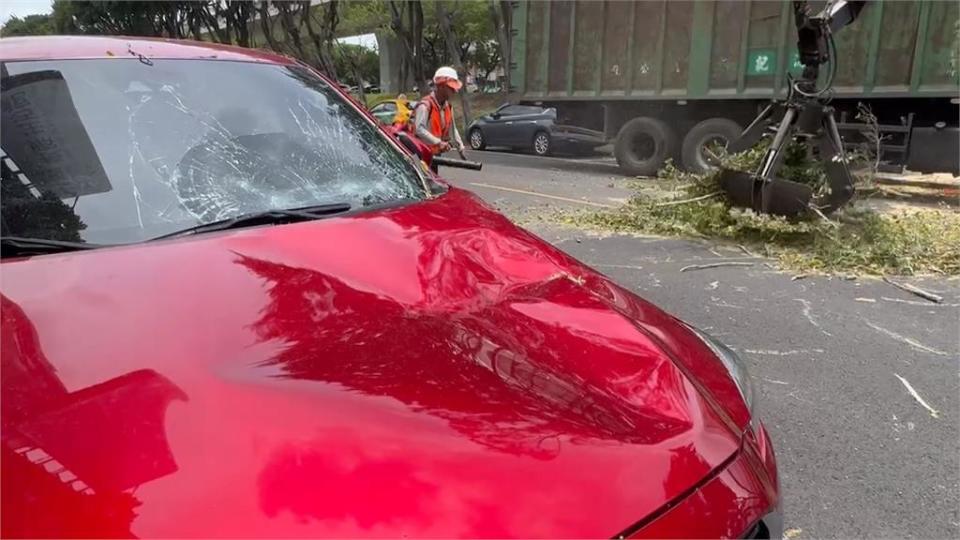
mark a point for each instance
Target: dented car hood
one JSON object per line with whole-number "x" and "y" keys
{"x": 428, "y": 370}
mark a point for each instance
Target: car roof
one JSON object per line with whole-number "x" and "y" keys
{"x": 394, "y": 101}
{"x": 88, "y": 47}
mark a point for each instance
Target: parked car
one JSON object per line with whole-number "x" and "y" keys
{"x": 386, "y": 110}
{"x": 230, "y": 316}
{"x": 530, "y": 127}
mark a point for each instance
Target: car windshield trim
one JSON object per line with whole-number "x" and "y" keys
{"x": 39, "y": 246}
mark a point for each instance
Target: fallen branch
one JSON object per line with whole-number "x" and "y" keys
{"x": 823, "y": 217}
{"x": 745, "y": 250}
{"x": 713, "y": 265}
{"x": 935, "y": 298}
{"x": 685, "y": 201}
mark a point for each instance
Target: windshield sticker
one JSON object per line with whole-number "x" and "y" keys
{"x": 48, "y": 140}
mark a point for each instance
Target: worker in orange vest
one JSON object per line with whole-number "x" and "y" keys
{"x": 433, "y": 117}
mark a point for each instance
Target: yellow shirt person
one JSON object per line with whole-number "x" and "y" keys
{"x": 402, "y": 115}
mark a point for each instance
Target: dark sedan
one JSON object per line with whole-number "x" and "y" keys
{"x": 530, "y": 127}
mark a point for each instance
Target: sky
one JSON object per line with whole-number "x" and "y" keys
{"x": 22, "y": 8}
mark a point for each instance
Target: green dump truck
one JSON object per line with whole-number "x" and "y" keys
{"x": 661, "y": 79}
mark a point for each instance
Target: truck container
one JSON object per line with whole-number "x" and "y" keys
{"x": 661, "y": 79}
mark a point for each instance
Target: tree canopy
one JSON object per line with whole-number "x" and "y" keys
{"x": 31, "y": 25}
{"x": 462, "y": 33}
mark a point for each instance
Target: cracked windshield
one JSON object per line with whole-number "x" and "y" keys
{"x": 116, "y": 151}
{"x": 480, "y": 269}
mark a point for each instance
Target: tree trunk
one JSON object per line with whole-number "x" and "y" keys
{"x": 398, "y": 10}
{"x": 323, "y": 40}
{"x": 193, "y": 20}
{"x": 242, "y": 23}
{"x": 290, "y": 28}
{"x": 212, "y": 21}
{"x": 453, "y": 48}
{"x": 236, "y": 17}
{"x": 503, "y": 21}
{"x": 416, "y": 33}
{"x": 358, "y": 76}
{"x": 263, "y": 9}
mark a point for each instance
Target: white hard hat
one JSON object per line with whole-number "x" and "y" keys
{"x": 448, "y": 76}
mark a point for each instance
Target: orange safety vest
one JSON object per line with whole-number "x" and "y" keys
{"x": 439, "y": 123}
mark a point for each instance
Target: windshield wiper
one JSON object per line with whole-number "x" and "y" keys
{"x": 15, "y": 246}
{"x": 268, "y": 217}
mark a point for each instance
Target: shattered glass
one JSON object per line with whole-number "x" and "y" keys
{"x": 130, "y": 151}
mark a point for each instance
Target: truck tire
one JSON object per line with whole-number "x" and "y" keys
{"x": 711, "y": 130}
{"x": 643, "y": 145}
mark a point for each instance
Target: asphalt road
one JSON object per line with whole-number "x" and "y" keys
{"x": 847, "y": 371}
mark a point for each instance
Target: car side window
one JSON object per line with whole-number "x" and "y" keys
{"x": 516, "y": 110}
{"x": 385, "y": 107}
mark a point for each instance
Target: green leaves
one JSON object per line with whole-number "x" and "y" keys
{"x": 903, "y": 242}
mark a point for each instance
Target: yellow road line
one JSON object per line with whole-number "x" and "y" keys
{"x": 544, "y": 195}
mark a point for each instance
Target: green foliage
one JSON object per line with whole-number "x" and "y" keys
{"x": 366, "y": 60}
{"x": 31, "y": 25}
{"x": 362, "y": 17}
{"x": 864, "y": 241}
{"x": 112, "y": 17}
{"x": 485, "y": 55}
{"x": 920, "y": 241}
{"x": 471, "y": 19}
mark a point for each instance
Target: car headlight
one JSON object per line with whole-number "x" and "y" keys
{"x": 734, "y": 365}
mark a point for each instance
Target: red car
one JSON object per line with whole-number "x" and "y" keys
{"x": 232, "y": 306}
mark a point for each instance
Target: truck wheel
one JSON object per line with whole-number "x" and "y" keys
{"x": 643, "y": 145}
{"x": 701, "y": 141}
{"x": 477, "y": 141}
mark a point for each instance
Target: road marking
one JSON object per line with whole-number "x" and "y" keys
{"x": 544, "y": 195}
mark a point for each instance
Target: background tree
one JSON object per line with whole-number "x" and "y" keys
{"x": 322, "y": 34}
{"x": 31, "y": 25}
{"x": 290, "y": 16}
{"x": 471, "y": 35}
{"x": 406, "y": 21}
{"x": 357, "y": 62}
{"x": 485, "y": 57}
{"x": 501, "y": 13}
{"x": 267, "y": 25}
{"x": 456, "y": 53}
